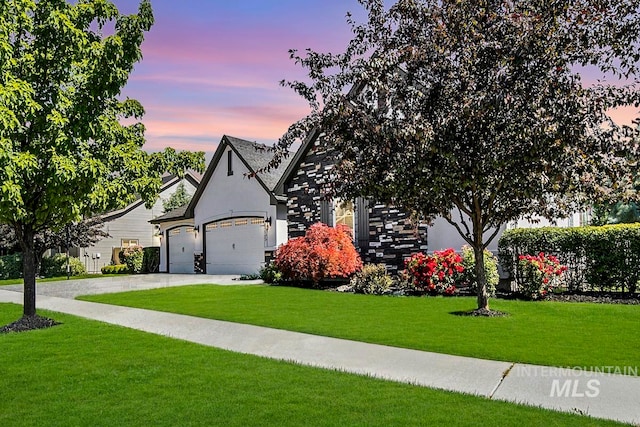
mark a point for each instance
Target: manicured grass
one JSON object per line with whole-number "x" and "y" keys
{"x": 544, "y": 333}
{"x": 86, "y": 373}
{"x": 57, "y": 279}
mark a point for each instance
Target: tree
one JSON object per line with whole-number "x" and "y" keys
{"x": 178, "y": 199}
{"x": 64, "y": 152}
{"x": 476, "y": 111}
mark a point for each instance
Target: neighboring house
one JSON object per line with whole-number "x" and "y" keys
{"x": 234, "y": 221}
{"x": 577, "y": 219}
{"x": 130, "y": 226}
{"x": 382, "y": 233}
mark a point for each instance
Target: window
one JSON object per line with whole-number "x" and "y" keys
{"x": 240, "y": 222}
{"x": 229, "y": 163}
{"x": 257, "y": 221}
{"x": 126, "y": 243}
{"x": 344, "y": 213}
{"x": 175, "y": 231}
{"x": 212, "y": 226}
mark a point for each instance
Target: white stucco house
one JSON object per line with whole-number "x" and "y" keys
{"x": 130, "y": 226}
{"x": 234, "y": 221}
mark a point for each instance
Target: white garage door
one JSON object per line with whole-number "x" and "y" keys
{"x": 235, "y": 246}
{"x": 181, "y": 246}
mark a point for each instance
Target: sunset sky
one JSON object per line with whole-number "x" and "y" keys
{"x": 213, "y": 67}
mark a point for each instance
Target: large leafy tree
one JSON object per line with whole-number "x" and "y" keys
{"x": 477, "y": 111}
{"x": 69, "y": 145}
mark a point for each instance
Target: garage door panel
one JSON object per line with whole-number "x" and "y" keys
{"x": 181, "y": 249}
{"x": 235, "y": 246}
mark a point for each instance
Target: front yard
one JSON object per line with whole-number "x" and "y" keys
{"x": 544, "y": 333}
{"x": 88, "y": 373}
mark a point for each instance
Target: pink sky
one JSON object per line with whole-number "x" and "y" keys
{"x": 213, "y": 67}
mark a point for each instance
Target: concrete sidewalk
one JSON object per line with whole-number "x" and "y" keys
{"x": 600, "y": 395}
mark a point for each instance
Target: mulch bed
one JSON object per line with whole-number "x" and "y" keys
{"x": 28, "y": 323}
{"x": 481, "y": 312}
{"x": 601, "y": 299}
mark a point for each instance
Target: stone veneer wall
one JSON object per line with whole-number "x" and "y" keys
{"x": 393, "y": 235}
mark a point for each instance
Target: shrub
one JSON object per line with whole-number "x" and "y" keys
{"x": 372, "y": 279}
{"x": 468, "y": 277}
{"x": 437, "y": 273}
{"x": 11, "y": 266}
{"x": 541, "y": 274}
{"x": 115, "y": 269}
{"x": 270, "y": 274}
{"x": 323, "y": 253}
{"x": 151, "y": 259}
{"x": 133, "y": 257}
{"x": 56, "y": 266}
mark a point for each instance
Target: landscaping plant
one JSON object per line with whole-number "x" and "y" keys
{"x": 323, "y": 253}
{"x": 372, "y": 279}
{"x": 133, "y": 257}
{"x": 468, "y": 277}
{"x": 437, "y": 273}
{"x": 541, "y": 275}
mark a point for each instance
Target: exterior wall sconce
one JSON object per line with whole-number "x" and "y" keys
{"x": 267, "y": 221}
{"x": 196, "y": 229}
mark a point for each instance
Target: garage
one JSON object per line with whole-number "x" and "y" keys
{"x": 181, "y": 244}
{"x": 235, "y": 245}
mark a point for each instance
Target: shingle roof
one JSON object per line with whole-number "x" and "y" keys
{"x": 258, "y": 156}
{"x": 177, "y": 213}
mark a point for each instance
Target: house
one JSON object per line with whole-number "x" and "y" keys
{"x": 130, "y": 226}
{"x": 382, "y": 233}
{"x": 234, "y": 221}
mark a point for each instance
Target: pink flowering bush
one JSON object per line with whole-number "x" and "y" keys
{"x": 541, "y": 274}
{"x": 435, "y": 274}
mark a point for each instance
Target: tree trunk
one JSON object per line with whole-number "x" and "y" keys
{"x": 29, "y": 265}
{"x": 483, "y": 296}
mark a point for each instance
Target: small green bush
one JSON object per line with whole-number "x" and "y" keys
{"x": 133, "y": 257}
{"x": 56, "y": 266}
{"x": 151, "y": 259}
{"x": 11, "y": 266}
{"x": 270, "y": 274}
{"x": 372, "y": 279}
{"x": 115, "y": 269}
{"x": 468, "y": 277}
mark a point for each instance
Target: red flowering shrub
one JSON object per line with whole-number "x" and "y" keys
{"x": 437, "y": 273}
{"x": 541, "y": 274}
{"x": 324, "y": 252}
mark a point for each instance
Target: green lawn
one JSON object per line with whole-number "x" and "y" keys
{"x": 545, "y": 333}
{"x": 86, "y": 373}
{"x": 57, "y": 279}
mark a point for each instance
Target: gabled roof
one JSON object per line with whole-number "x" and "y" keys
{"x": 254, "y": 156}
{"x": 177, "y": 213}
{"x": 294, "y": 163}
{"x": 167, "y": 182}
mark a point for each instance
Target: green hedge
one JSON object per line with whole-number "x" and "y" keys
{"x": 11, "y": 266}
{"x": 605, "y": 258}
{"x": 115, "y": 269}
{"x": 151, "y": 259}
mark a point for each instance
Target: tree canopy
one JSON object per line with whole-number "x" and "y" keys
{"x": 478, "y": 111}
{"x": 69, "y": 145}
{"x": 177, "y": 199}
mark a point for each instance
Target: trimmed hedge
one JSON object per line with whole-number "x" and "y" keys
{"x": 11, "y": 266}
{"x": 115, "y": 269}
{"x": 600, "y": 259}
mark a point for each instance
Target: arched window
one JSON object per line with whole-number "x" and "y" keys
{"x": 344, "y": 214}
